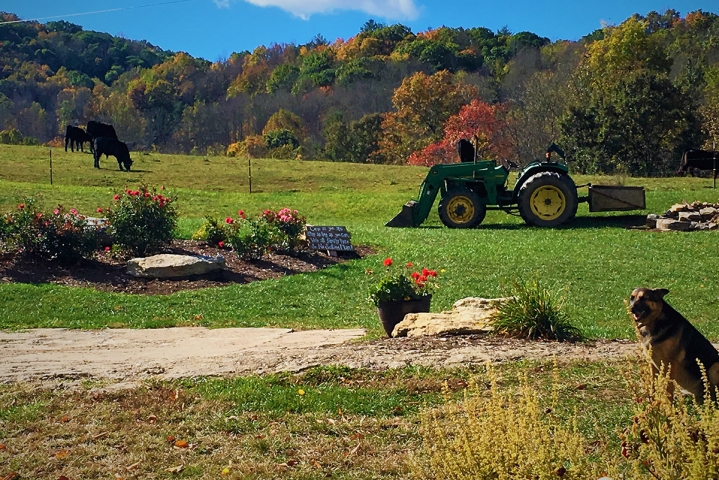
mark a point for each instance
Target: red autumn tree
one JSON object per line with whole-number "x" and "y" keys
{"x": 477, "y": 120}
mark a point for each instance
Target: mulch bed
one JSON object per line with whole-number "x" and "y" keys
{"x": 107, "y": 273}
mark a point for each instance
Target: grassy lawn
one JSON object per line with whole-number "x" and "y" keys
{"x": 595, "y": 261}
{"x": 325, "y": 422}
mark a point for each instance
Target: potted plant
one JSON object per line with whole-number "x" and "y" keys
{"x": 402, "y": 290}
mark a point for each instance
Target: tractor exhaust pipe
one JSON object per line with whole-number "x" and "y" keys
{"x": 405, "y": 218}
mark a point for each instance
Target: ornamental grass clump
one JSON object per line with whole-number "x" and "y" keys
{"x": 533, "y": 312}
{"x": 505, "y": 433}
{"x": 62, "y": 236}
{"x": 402, "y": 283}
{"x": 142, "y": 221}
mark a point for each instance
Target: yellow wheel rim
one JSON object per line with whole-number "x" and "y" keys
{"x": 547, "y": 202}
{"x": 460, "y": 209}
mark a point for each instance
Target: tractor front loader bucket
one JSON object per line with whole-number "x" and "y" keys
{"x": 405, "y": 218}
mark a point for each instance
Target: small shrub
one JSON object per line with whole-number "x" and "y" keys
{"x": 285, "y": 152}
{"x": 213, "y": 231}
{"x": 142, "y": 221}
{"x": 234, "y": 149}
{"x": 12, "y": 136}
{"x": 251, "y": 239}
{"x": 59, "y": 236}
{"x": 253, "y": 146}
{"x": 280, "y": 138}
{"x": 532, "y": 312}
{"x": 506, "y": 433}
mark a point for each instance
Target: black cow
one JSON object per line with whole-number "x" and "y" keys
{"x": 465, "y": 150}
{"x": 699, "y": 159}
{"x": 99, "y": 129}
{"x": 114, "y": 147}
{"x": 76, "y": 137}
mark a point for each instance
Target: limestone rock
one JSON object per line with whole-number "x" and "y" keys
{"x": 691, "y": 216}
{"x": 468, "y": 315}
{"x": 676, "y": 208}
{"x": 671, "y": 224}
{"x": 708, "y": 213}
{"x": 172, "y": 266}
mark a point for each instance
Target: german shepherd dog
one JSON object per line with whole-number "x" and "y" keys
{"x": 674, "y": 342}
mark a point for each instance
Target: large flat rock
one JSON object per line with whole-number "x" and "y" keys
{"x": 169, "y": 265}
{"x": 468, "y": 316}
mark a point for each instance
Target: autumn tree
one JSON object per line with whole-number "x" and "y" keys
{"x": 422, "y": 104}
{"x": 285, "y": 120}
{"x": 479, "y": 122}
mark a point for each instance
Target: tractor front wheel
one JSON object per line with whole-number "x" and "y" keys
{"x": 461, "y": 208}
{"x": 548, "y": 199}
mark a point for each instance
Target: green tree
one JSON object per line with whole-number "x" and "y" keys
{"x": 641, "y": 125}
{"x": 282, "y": 78}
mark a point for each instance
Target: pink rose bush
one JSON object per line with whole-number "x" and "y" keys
{"x": 250, "y": 239}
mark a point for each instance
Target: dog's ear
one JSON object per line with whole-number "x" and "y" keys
{"x": 660, "y": 292}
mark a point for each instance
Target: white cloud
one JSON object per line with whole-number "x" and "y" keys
{"x": 222, "y": 3}
{"x": 387, "y": 9}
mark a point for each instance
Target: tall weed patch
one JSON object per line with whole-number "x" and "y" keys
{"x": 514, "y": 432}
{"x": 505, "y": 433}
{"x": 671, "y": 437}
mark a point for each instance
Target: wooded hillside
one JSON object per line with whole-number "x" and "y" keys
{"x": 627, "y": 98}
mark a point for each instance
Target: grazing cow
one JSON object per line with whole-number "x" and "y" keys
{"x": 99, "y": 129}
{"x": 699, "y": 159}
{"x": 465, "y": 150}
{"x": 114, "y": 147}
{"x": 76, "y": 137}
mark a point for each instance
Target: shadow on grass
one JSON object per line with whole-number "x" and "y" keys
{"x": 616, "y": 221}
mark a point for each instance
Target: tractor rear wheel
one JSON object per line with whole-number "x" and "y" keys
{"x": 461, "y": 208}
{"x": 548, "y": 199}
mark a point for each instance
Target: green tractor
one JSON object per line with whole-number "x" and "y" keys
{"x": 544, "y": 194}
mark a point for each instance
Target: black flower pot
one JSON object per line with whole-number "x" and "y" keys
{"x": 393, "y": 312}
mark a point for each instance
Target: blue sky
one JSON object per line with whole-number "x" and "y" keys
{"x": 213, "y": 29}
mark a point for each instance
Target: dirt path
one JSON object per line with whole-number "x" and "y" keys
{"x": 186, "y": 352}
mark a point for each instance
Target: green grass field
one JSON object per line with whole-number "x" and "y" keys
{"x": 596, "y": 260}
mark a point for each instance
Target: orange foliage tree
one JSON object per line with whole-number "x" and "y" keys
{"x": 423, "y": 103}
{"x": 477, "y": 120}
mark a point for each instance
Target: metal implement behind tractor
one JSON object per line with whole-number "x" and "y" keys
{"x": 544, "y": 194}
